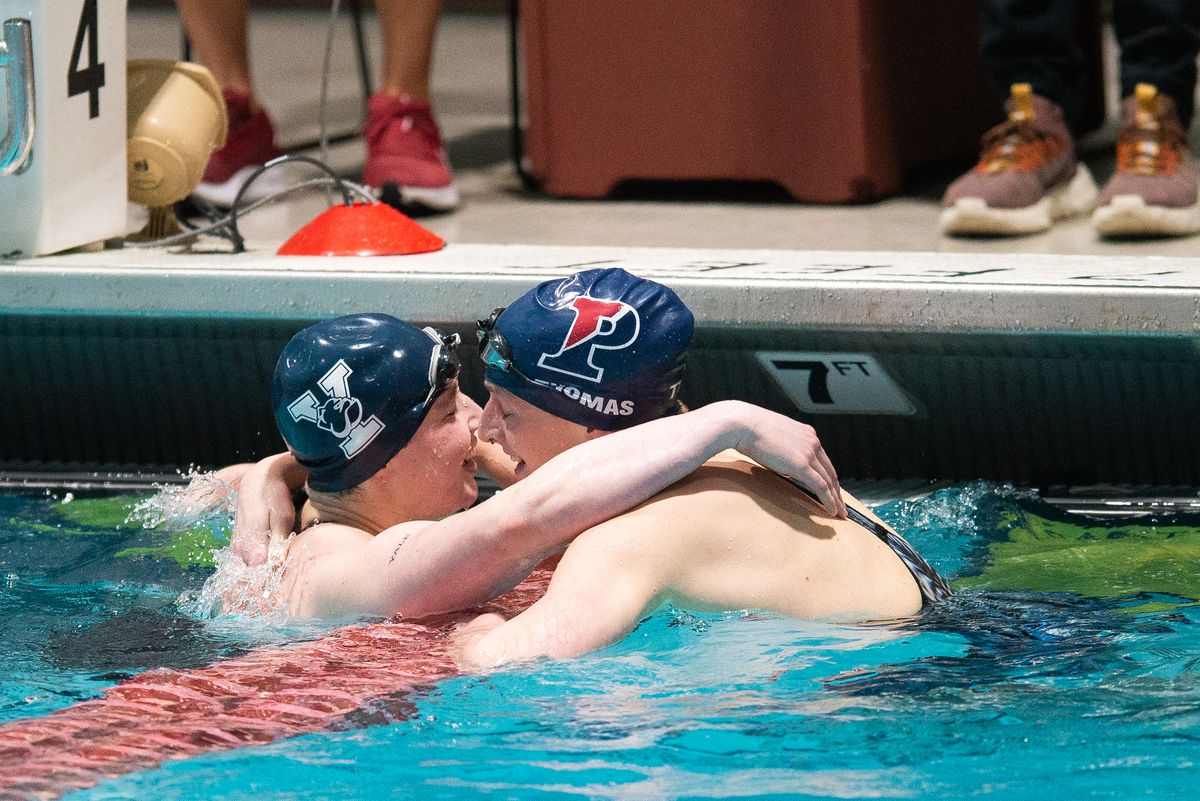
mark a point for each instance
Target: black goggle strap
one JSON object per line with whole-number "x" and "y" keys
{"x": 443, "y": 364}
{"x": 485, "y": 328}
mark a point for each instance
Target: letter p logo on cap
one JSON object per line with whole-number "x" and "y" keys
{"x": 597, "y": 325}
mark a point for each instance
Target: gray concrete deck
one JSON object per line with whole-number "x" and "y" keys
{"x": 471, "y": 99}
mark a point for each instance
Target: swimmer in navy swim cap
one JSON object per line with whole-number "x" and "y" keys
{"x": 373, "y": 418}
{"x": 599, "y": 351}
{"x": 577, "y": 358}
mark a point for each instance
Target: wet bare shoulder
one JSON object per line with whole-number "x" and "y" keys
{"x": 733, "y": 475}
{"x": 325, "y": 538}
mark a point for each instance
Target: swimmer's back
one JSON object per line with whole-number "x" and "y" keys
{"x": 736, "y": 536}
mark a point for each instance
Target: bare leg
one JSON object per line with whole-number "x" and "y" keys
{"x": 406, "y": 162}
{"x": 408, "y": 29}
{"x": 217, "y": 30}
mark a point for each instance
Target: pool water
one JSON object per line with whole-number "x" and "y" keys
{"x": 1067, "y": 663}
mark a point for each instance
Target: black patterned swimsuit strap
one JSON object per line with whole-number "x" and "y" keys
{"x": 933, "y": 587}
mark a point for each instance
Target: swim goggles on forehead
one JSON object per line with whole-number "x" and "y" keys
{"x": 494, "y": 348}
{"x": 443, "y": 363}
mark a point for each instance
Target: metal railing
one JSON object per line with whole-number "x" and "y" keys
{"x": 16, "y": 54}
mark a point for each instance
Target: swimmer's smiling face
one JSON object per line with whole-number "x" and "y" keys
{"x": 436, "y": 467}
{"x": 525, "y": 432}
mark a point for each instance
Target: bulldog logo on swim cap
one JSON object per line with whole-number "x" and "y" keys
{"x": 349, "y": 393}
{"x": 602, "y": 348}
{"x": 341, "y": 414}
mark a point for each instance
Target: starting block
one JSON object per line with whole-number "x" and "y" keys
{"x": 62, "y": 97}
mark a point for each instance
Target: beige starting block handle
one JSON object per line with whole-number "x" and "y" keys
{"x": 16, "y": 55}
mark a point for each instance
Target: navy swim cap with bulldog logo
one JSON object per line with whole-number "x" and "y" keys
{"x": 349, "y": 393}
{"x": 601, "y": 348}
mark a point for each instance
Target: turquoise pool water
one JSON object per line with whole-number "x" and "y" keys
{"x": 1068, "y": 663}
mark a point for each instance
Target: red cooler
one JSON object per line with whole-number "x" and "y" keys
{"x": 834, "y": 101}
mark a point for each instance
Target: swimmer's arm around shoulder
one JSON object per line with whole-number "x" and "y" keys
{"x": 346, "y": 571}
{"x": 475, "y": 555}
{"x": 267, "y": 489}
{"x": 232, "y": 474}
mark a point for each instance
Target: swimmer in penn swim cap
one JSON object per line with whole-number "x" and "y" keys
{"x": 373, "y": 418}
{"x": 575, "y": 359}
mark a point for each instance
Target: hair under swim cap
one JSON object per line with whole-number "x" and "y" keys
{"x": 601, "y": 348}
{"x": 349, "y": 393}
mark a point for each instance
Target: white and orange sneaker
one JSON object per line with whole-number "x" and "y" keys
{"x": 1154, "y": 190}
{"x": 1027, "y": 177}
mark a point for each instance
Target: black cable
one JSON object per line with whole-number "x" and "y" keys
{"x": 221, "y": 226}
{"x": 364, "y": 68}
{"x": 239, "y": 245}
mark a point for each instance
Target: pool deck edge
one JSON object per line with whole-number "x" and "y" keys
{"x": 799, "y": 289}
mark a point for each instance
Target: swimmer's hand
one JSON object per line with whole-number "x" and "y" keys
{"x": 790, "y": 448}
{"x": 232, "y": 475}
{"x": 266, "y": 510}
{"x": 495, "y": 463}
{"x": 466, "y": 641}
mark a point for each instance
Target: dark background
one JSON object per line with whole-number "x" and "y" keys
{"x": 460, "y": 6}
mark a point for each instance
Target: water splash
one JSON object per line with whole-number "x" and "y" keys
{"x": 205, "y": 499}
{"x": 191, "y": 520}
{"x": 954, "y": 508}
{"x": 240, "y": 589}
{"x": 949, "y": 526}
{"x": 208, "y": 502}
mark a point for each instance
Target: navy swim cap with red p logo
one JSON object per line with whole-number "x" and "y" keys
{"x": 602, "y": 348}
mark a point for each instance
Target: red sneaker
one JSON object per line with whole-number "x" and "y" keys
{"x": 406, "y": 163}
{"x": 250, "y": 144}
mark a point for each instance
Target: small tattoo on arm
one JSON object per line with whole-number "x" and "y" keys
{"x": 396, "y": 552}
